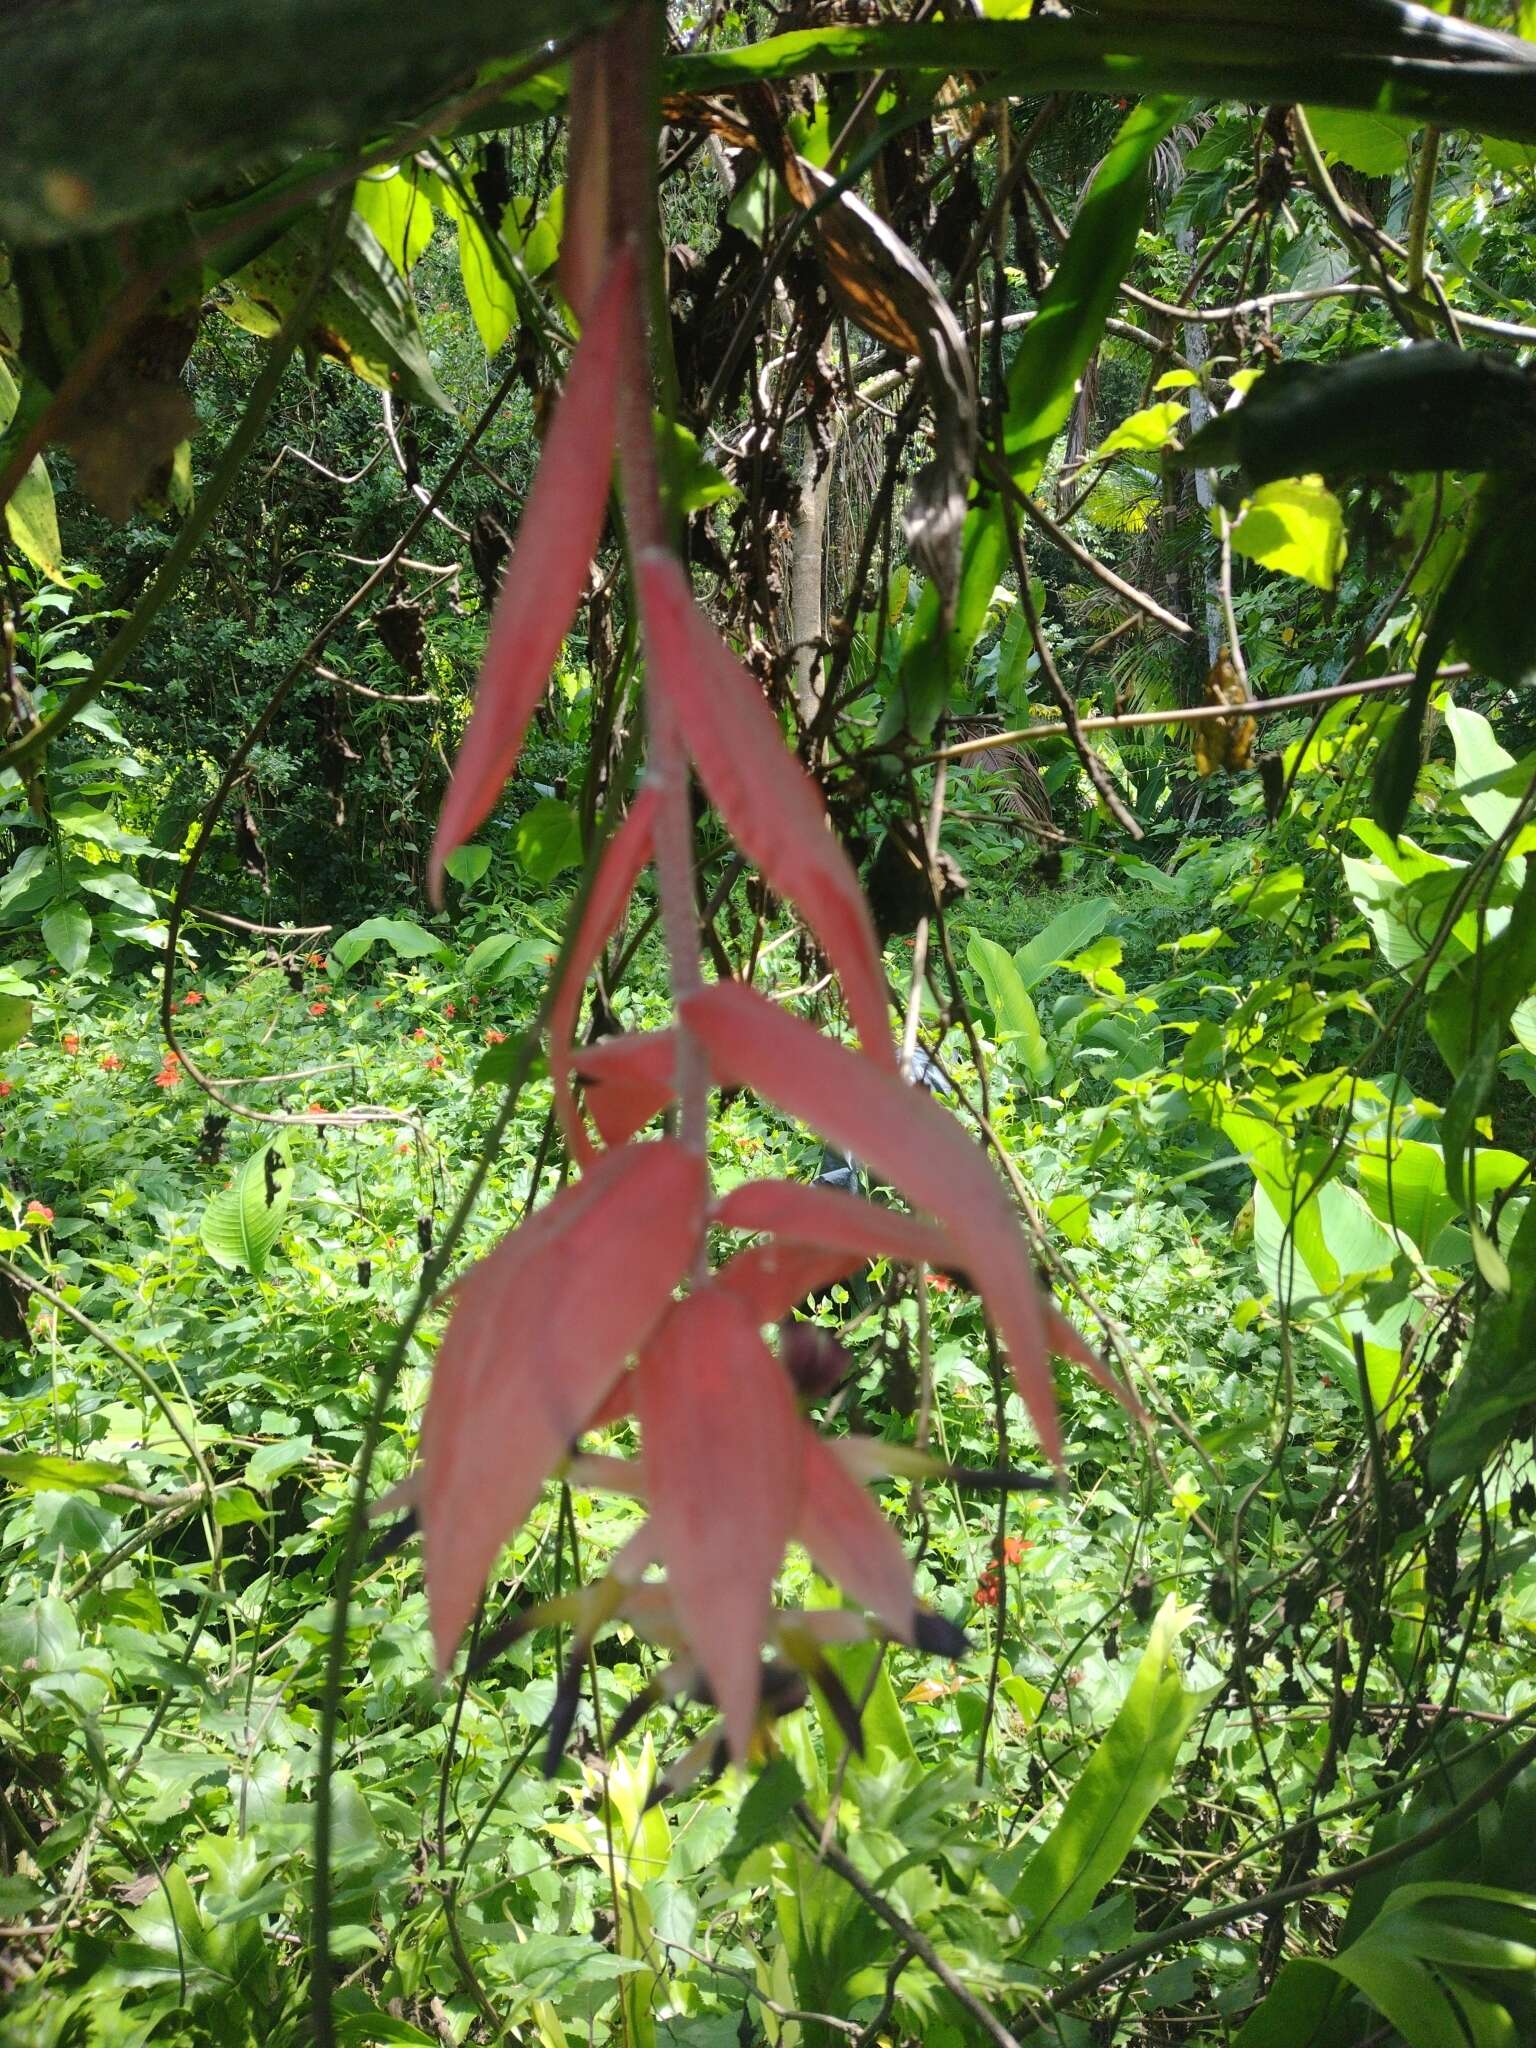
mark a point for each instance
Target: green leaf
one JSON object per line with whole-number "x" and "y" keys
{"x": 1066, "y": 934}
{"x": 66, "y": 929}
{"x": 1042, "y": 378}
{"x": 30, "y": 515}
{"x": 1042, "y": 383}
{"x": 1428, "y": 407}
{"x": 467, "y": 864}
{"x": 1154, "y": 427}
{"x": 1498, "y": 1376}
{"x": 15, "y": 1020}
{"x": 1071, "y": 1214}
{"x": 487, "y": 282}
{"x": 394, "y": 204}
{"x": 273, "y": 1460}
{"x": 362, "y": 2024}
{"x": 1129, "y": 1772}
{"x": 365, "y": 317}
{"x": 505, "y": 954}
{"x": 536, "y": 239}
{"x": 242, "y": 1222}
{"x": 1481, "y": 993}
{"x": 764, "y": 1813}
{"x": 1484, "y": 613}
{"x": 1386, "y": 56}
{"x": 113, "y": 885}
{"x": 1376, "y": 144}
{"x": 548, "y": 839}
{"x": 402, "y": 937}
{"x": 1481, "y": 762}
{"x": 1014, "y": 1016}
{"x": 1295, "y": 525}
{"x": 38, "y": 1472}
{"x": 694, "y": 481}
{"x": 115, "y": 110}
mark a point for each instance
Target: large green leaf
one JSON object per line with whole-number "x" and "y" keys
{"x": 1123, "y": 1780}
{"x": 1429, "y": 407}
{"x": 1480, "y": 761}
{"x": 30, "y": 514}
{"x": 486, "y": 275}
{"x": 395, "y": 204}
{"x": 66, "y": 929}
{"x": 408, "y": 941}
{"x": 365, "y": 316}
{"x": 111, "y": 110}
{"x": 1498, "y": 1376}
{"x": 1484, "y": 613}
{"x": 1384, "y": 55}
{"x": 1066, "y": 935}
{"x": 242, "y": 1222}
{"x": 1014, "y": 1017}
{"x": 1438, "y": 1962}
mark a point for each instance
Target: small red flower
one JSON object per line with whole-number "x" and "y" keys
{"x": 434, "y": 1063}
{"x": 474, "y": 1002}
{"x": 110, "y": 1063}
{"x": 316, "y": 959}
{"x": 378, "y": 1002}
{"x": 940, "y": 1282}
{"x": 5, "y": 1088}
{"x": 71, "y": 1041}
{"x": 169, "y": 1075}
{"x": 191, "y": 999}
{"x": 38, "y": 1213}
{"x": 450, "y": 1010}
{"x": 419, "y": 1033}
{"x": 317, "y": 1109}
{"x": 495, "y": 1037}
{"x": 318, "y": 1009}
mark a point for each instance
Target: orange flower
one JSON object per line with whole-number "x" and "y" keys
{"x": 38, "y": 1213}
{"x": 419, "y": 1033}
{"x": 318, "y": 1009}
{"x": 495, "y": 1037}
{"x": 110, "y": 1063}
{"x": 191, "y": 999}
{"x": 316, "y": 959}
{"x": 71, "y": 1041}
{"x": 435, "y": 1063}
{"x": 5, "y": 1088}
{"x": 450, "y": 1010}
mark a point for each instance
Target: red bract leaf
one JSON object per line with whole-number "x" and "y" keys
{"x": 547, "y": 572}
{"x": 851, "y": 1541}
{"x": 908, "y": 1139}
{"x": 539, "y": 1331}
{"x": 626, "y": 854}
{"x": 629, "y": 1079}
{"x": 584, "y": 234}
{"x": 771, "y": 805}
{"x": 823, "y": 1216}
{"x": 720, "y": 1441}
{"x": 774, "y": 1278}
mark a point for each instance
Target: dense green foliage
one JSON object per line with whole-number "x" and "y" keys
{"x": 1244, "y": 1005}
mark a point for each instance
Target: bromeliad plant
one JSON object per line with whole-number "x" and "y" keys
{"x": 615, "y": 1271}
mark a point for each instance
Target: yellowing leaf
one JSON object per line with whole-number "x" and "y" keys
{"x": 1295, "y": 525}
{"x": 1154, "y": 427}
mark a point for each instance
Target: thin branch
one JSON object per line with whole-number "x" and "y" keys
{"x": 1189, "y": 714}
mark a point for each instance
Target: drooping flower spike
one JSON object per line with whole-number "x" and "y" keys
{"x": 606, "y": 1301}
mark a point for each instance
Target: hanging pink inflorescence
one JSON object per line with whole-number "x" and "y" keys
{"x": 603, "y": 1303}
